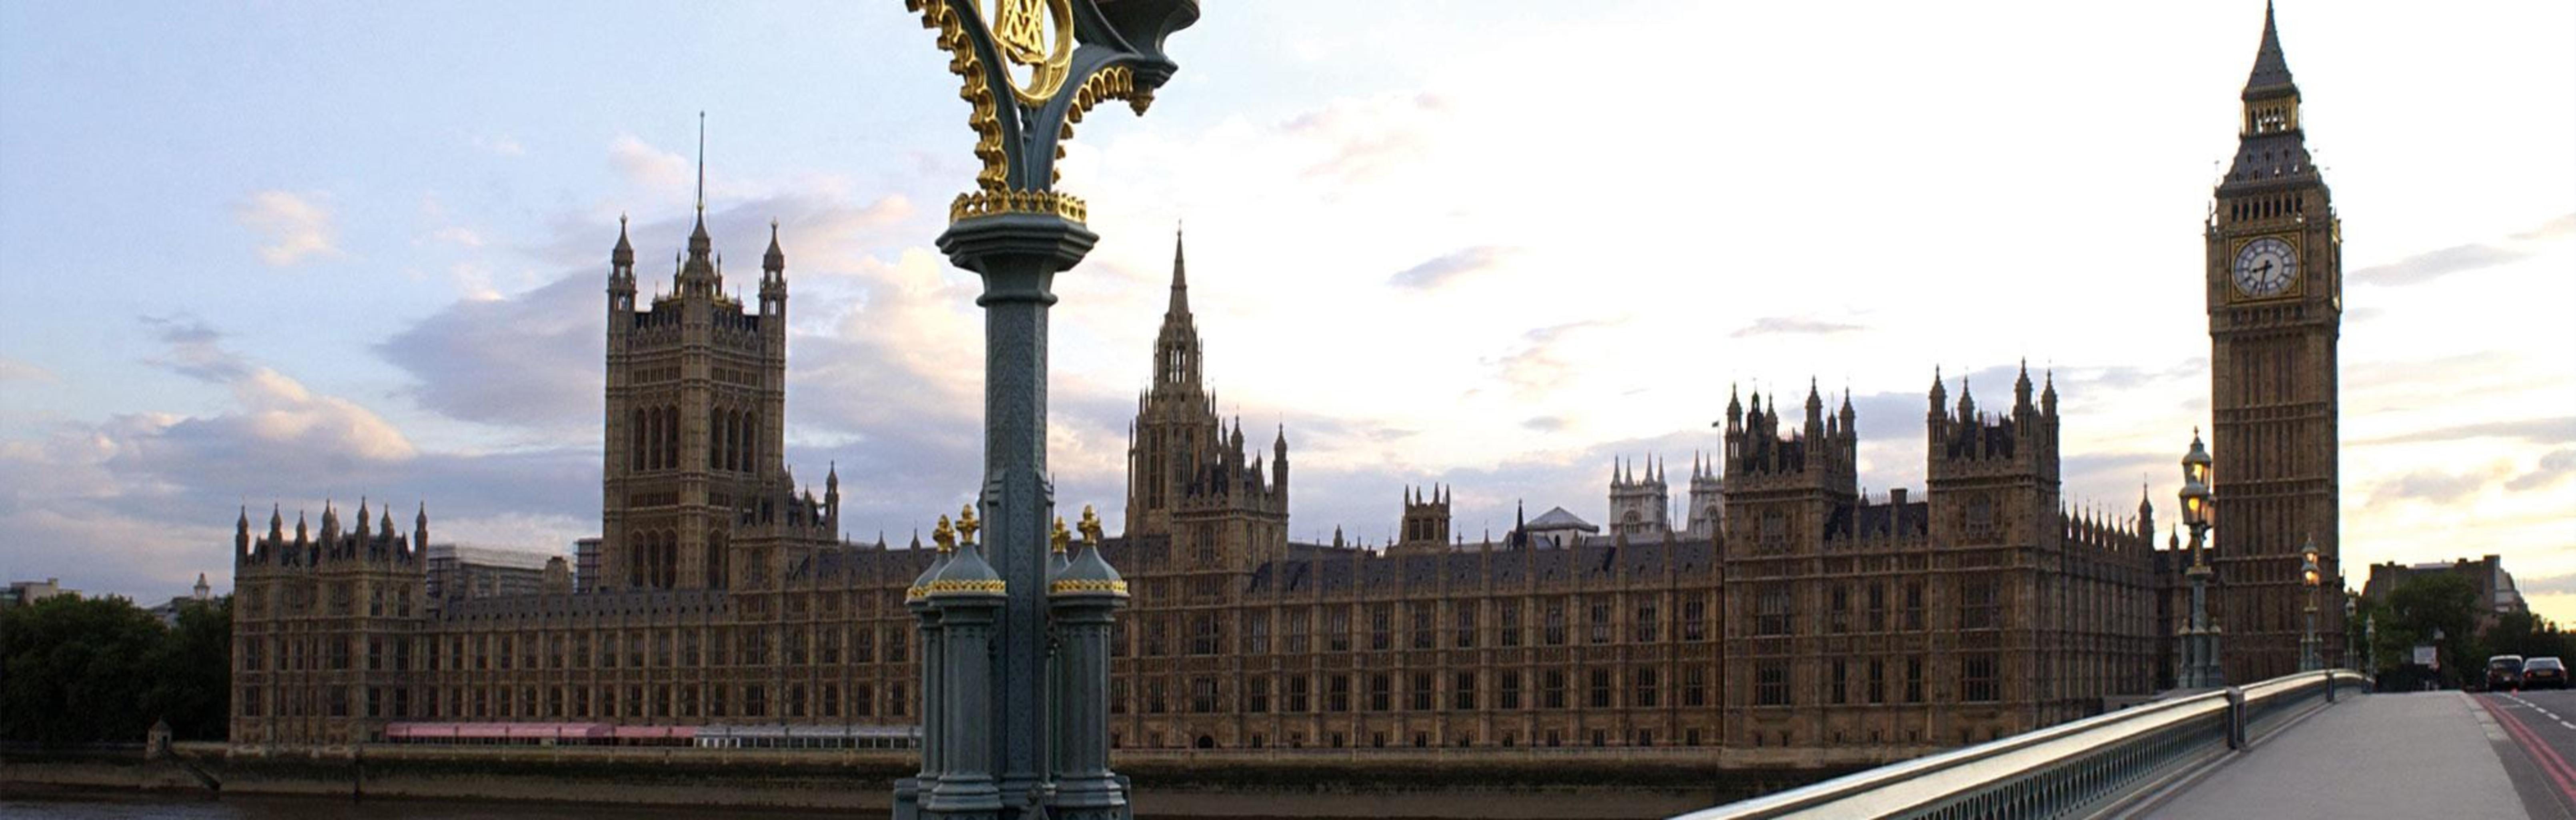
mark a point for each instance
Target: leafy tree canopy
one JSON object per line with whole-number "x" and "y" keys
{"x": 78, "y": 670}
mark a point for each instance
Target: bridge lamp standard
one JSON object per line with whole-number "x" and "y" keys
{"x": 2200, "y": 637}
{"x": 2309, "y": 661}
{"x": 1016, "y": 629}
{"x": 2370, "y": 646}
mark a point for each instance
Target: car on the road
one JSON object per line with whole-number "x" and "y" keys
{"x": 2504, "y": 673}
{"x": 2544, "y": 673}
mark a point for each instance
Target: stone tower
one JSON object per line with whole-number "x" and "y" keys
{"x": 323, "y": 628}
{"x": 2274, "y": 281}
{"x": 1191, "y": 478}
{"x": 697, "y": 398}
{"x": 1640, "y": 503}
{"x": 1426, "y": 521}
{"x": 1782, "y": 490}
{"x": 1707, "y": 499}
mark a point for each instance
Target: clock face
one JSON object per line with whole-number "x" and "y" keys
{"x": 2266, "y": 267}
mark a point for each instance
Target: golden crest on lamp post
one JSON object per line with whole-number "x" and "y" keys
{"x": 1035, "y": 36}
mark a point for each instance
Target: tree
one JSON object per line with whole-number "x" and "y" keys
{"x": 193, "y": 665}
{"x": 74, "y": 670}
{"x": 2525, "y": 634}
{"x": 84, "y": 671}
{"x": 2437, "y": 603}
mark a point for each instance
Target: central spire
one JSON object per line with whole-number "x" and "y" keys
{"x": 702, "y": 161}
{"x": 699, "y": 267}
{"x": 1180, "y": 280}
{"x": 1176, "y": 348}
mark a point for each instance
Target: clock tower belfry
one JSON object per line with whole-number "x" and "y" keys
{"x": 2275, "y": 300}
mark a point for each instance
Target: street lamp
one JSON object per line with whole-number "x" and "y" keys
{"x": 2199, "y": 636}
{"x": 2309, "y": 660}
{"x": 2370, "y": 646}
{"x": 1017, "y": 728}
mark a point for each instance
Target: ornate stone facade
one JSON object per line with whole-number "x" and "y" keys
{"x": 1791, "y": 613}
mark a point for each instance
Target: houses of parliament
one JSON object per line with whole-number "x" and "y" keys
{"x": 1788, "y": 614}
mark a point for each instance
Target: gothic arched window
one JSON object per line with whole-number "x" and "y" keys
{"x": 1980, "y": 524}
{"x": 635, "y": 562}
{"x": 719, "y": 434}
{"x": 671, "y": 437}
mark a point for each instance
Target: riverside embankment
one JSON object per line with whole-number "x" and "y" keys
{"x": 1309, "y": 783}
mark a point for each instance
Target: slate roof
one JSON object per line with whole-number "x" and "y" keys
{"x": 1558, "y": 518}
{"x": 2270, "y": 70}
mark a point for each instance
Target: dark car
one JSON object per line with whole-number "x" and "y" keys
{"x": 2504, "y": 673}
{"x": 2544, "y": 673}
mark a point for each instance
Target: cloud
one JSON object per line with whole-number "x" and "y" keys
{"x": 2560, "y": 228}
{"x": 644, "y": 165}
{"x": 2114, "y": 470}
{"x": 13, "y": 370}
{"x": 148, "y": 497}
{"x": 2435, "y": 264}
{"x": 2553, "y": 468}
{"x": 1362, "y": 140}
{"x": 2544, "y": 431}
{"x": 1450, "y": 268}
{"x": 2439, "y": 486}
{"x": 2547, "y": 585}
{"x": 500, "y": 145}
{"x": 274, "y": 409}
{"x": 1542, "y": 364}
{"x": 1792, "y": 326}
{"x": 534, "y": 360}
{"x": 457, "y": 235}
{"x": 192, "y": 348}
{"x": 292, "y": 227}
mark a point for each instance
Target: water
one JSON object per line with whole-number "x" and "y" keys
{"x": 135, "y": 807}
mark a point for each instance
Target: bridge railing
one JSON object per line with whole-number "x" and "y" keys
{"x": 2072, "y": 769}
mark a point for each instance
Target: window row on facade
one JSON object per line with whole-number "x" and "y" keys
{"x": 560, "y": 702}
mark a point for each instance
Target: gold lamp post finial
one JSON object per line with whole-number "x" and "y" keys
{"x": 944, "y": 536}
{"x": 966, "y": 523}
{"x": 1090, "y": 526}
{"x": 1059, "y": 537}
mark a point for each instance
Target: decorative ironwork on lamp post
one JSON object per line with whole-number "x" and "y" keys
{"x": 1014, "y": 708}
{"x": 2310, "y": 659}
{"x": 2199, "y": 636}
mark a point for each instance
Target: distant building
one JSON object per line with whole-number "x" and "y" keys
{"x": 585, "y": 565}
{"x": 2497, "y": 594}
{"x": 458, "y": 571}
{"x": 1557, "y": 528}
{"x": 169, "y": 612}
{"x": 28, "y": 592}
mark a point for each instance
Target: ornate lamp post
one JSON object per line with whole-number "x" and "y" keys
{"x": 2200, "y": 637}
{"x": 2309, "y": 659}
{"x": 2370, "y": 646}
{"x": 1031, "y": 69}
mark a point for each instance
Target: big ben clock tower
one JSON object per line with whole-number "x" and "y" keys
{"x": 2275, "y": 293}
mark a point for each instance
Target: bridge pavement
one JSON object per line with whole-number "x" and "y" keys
{"x": 2440, "y": 755}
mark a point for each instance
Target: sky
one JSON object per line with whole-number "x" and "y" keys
{"x": 287, "y": 252}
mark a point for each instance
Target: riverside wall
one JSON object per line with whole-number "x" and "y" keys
{"x": 1380, "y": 784}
